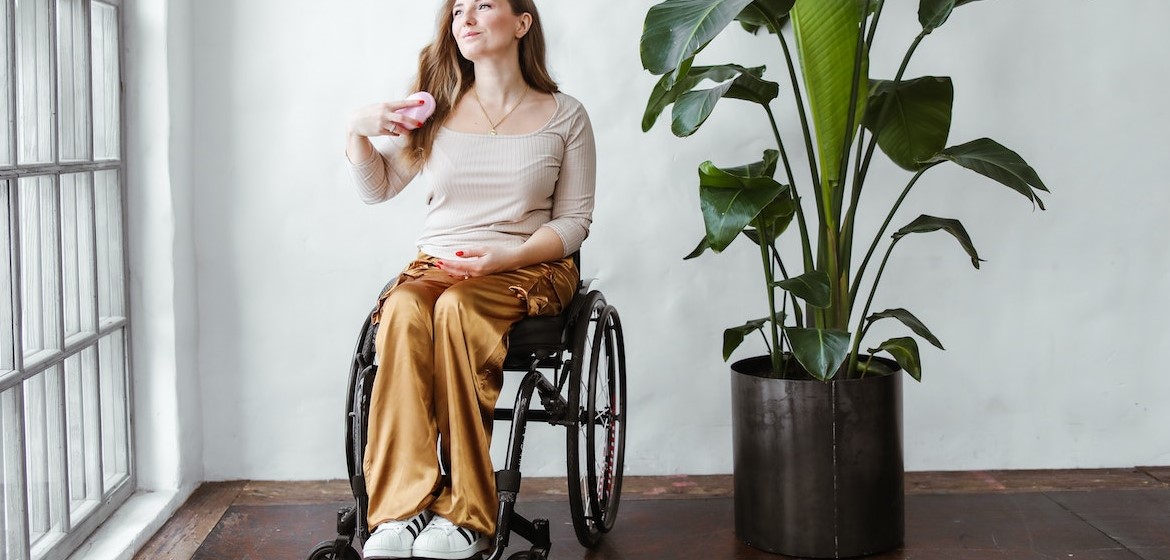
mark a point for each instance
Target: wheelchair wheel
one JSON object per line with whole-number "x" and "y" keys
{"x": 325, "y": 551}
{"x": 597, "y": 401}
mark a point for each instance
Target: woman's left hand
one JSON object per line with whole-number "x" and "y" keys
{"x": 472, "y": 263}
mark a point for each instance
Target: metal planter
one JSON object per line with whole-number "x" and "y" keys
{"x": 818, "y": 466}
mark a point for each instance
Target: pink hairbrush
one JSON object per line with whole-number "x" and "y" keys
{"x": 420, "y": 112}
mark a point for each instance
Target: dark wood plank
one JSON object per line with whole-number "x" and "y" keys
{"x": 1160, "y": 473}
{"x": 1134, "y": 518}
{"x": 182, "y": 534}
{"x": 1161, "y": 553}
{"x": 1030, "y": 481}
{"x": 1027, "y": 523}
{"x": 258, "y": 493}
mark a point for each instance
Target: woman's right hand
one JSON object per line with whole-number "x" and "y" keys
{"x": 381, "y": 119}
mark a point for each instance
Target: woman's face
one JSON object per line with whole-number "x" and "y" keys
{"x": 485, "y": 27}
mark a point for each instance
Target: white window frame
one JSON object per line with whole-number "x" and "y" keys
{"x": 70, "y": 438}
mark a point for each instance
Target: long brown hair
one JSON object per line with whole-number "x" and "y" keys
{"x": 444, "y": 73}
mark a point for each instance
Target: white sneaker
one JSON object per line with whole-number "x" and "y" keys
{"x": 395, "y": 539}
{"x": 443, "y": 540}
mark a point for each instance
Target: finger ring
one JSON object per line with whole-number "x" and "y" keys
{"x": 466, "y": 276}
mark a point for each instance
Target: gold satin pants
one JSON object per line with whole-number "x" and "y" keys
{"x": 441, "y": 347}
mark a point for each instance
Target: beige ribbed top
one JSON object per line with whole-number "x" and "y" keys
{"x": 496, "y": 191}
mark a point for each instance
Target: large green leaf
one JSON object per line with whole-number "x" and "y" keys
{"x": 905, "y": 352}
{"x": 812, "y": 287}
{"x": 730, "y": 202}
{"x": 699, "y": 249}
{"x": 766, "y": 14}
{"x": 746, "y": 84}
{"x": 764, "y": 168}
{"x": 911, "y": 119}
{"x": 907, "y": 318}
{"x": 692, "y": 108}
{"x": 990, "y": 159}
{"x": 826, "y": 40}
{"x": 820, "y": 351}
{"x": 776, "y": 216}
{"x": 933, "y": 13}
{"x": 665, "y": 92}
{"x": 926, "y": 224}
{"x": 677, "y": 29}
{"x": 734, "y": 336}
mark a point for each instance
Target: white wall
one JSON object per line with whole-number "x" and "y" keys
{"x": 1054, "y": 348}
{"x": 168, "y": 431}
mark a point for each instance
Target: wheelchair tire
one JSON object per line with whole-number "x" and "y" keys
{"x": 596, "y": 437}
{"x": 325, "y": 551}
{"x": 607, "y": 408}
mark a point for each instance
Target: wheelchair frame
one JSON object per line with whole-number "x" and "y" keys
{"x": 584, "y": 348}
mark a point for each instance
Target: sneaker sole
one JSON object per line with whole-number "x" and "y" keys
{"x": 467, "y": 554}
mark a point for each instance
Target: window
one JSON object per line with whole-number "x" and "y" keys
{"x": 65, "y": 453}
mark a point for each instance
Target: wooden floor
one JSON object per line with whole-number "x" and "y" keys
{"x": 1009, "y": 515}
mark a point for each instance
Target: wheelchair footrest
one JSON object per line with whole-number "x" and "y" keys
{"x": 535, "y": 531}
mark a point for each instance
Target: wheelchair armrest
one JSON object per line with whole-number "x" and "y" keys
{"x": 583, "y": 289}
{"x": 584, "y": 284}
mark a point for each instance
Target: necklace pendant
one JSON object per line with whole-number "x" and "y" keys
{"x": 492, "y": 132}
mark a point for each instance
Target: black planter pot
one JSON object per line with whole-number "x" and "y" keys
{"x": 818, "y": 466}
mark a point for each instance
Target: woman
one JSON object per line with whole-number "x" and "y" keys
{"x": 510, "y": 166}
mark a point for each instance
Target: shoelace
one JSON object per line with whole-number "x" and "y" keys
{"x": 400, "y": 526}
{"x": 447, "y": 527}
{"x": 444, "y": 525}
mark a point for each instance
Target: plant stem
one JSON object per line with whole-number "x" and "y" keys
{"x": 810, "y": 148}
{"x": 877, "y": 14}
{"x": 810, "y": 151}
{"x": 766, "y": 345}
{"x": 839, "y": 238}
{"x": 850, "y": 122}
{"x": 851, "y": 214}
{"x": 769, "y": 280}
{"x": 860, "y": 179}
{"x": 862, "y": 172}
{"x": 797, "y": 315}
{"x": 865, "y": 312}
{"x": 805, "y": 247}
{"x": 881, "y": 231}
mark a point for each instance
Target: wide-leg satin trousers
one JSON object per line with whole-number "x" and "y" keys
{"x": 441, "y": 347}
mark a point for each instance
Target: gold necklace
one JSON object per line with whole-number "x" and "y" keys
{"x": 496, "y": 124}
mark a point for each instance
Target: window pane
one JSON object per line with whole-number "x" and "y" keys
{"x": 111, "y": 286}
{"x": 44, "y": 459}
{"x": 5, "y": 89}
{"x": 73, "y": 81}
{"x": 79, "y": 265}
{"x": 114, "y": 409}
{"x": 34, "y": 82}
{"x": 83, "y": 420}
{"x": 7, "y": 319}
{"x": 39, "y": 256}
{"x": 12, "y": 491}
{"x": 106, "y": 101}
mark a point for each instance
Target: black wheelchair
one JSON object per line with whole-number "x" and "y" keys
{"x": 575, "y": 363}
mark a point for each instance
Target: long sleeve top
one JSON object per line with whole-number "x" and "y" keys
{"x": 496, "y": 191}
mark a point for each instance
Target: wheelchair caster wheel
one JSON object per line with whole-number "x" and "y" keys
{"x": 326, "y": 551}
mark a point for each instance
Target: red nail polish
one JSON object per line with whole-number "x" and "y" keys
{"x": 439, "y": 264}
{"x": 458, "y": 253}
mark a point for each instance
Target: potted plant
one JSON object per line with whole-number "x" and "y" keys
{"x": 817, "y": 422}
